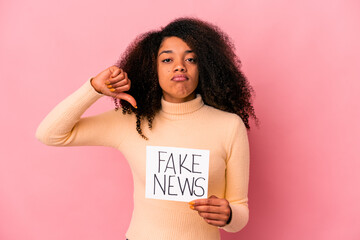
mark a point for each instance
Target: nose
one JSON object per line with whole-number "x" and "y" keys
{"x": 180, "y": 67}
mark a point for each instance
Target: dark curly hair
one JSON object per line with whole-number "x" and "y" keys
{"x": 221, "y": 83}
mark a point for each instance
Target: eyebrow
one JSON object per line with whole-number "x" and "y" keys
{"x": 170, "y": 51}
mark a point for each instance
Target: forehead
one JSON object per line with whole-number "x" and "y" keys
{"x": 172, "y": 43}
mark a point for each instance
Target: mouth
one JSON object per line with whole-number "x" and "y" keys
{"x": 180, "y": 78}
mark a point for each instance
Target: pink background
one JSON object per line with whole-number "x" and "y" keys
{"x": 302, "y": 58}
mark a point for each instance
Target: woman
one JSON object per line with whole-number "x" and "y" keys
{"x": 179, "y": 87}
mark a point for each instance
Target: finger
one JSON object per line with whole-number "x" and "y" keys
{"x": 119, "y": 83}
{"x": 121, "y": 76}
{"x": 127, "y": 97}
{"x": 116, "y": 75}
{"x": 115, "y": 71}
{"x": 120, "y": 89}
{"x": 115, "y": 80}
{"x": 124, "y": 86}
{"x": 214, "y": 216}
{"x": 214, "y": 201}
{"x": 208, "y": 209}
{"x": 215, "y": 222}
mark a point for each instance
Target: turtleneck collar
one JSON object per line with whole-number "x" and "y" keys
{"x": 180, "y": 110}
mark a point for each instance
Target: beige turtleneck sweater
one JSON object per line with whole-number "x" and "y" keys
{"x": 185, "y": 125}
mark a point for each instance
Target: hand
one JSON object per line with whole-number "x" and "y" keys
{"x": 114, "y": 82}
{"x": 215, "y": 211}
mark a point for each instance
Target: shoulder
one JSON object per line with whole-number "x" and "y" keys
{"x": 225, "y": 124}
{"x": 230, "y": 119}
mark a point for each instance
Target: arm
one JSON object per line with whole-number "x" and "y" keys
{"x": 237, "y": 177}
{"x": 64, "y": 125}
{"x": 230, "y": 213}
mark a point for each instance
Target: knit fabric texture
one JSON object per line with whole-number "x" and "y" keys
{"x": 190, "y": 124}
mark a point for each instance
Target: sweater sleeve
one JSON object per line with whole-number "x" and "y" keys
{"x": 63, "y": 126}
{"x": 237, "y": 177}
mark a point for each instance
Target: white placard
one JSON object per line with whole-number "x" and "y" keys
{"x": 177, "y": 174}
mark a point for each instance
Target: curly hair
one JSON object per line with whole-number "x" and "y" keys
{"x": 221, "y": 83}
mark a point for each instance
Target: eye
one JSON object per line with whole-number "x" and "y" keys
{"x": 166, "y": 60}
{"x": 192, "y": 60}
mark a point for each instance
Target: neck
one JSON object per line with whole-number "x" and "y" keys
{"x": 179, "y": 100}
{"x": 180, "y": 110}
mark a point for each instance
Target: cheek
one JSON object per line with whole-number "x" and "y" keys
{"x": 162, "y": 78}
{"x": 163, "y": 71}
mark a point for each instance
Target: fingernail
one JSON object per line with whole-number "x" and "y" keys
{"x": 109, "y": 86}
{"x": 192, "y": 207}
{"x": 192, "y": 202}
{"x": 107, "y": 82}
{"x": 112, "y": 89}
{"x": 135, "y": 107}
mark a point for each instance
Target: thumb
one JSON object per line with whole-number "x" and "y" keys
{"x": 127, "y": 97}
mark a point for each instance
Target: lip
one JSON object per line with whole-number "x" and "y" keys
{"x": 179, "y": 78}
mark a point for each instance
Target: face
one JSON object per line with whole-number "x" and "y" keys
{"x": 177, "y": 70}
